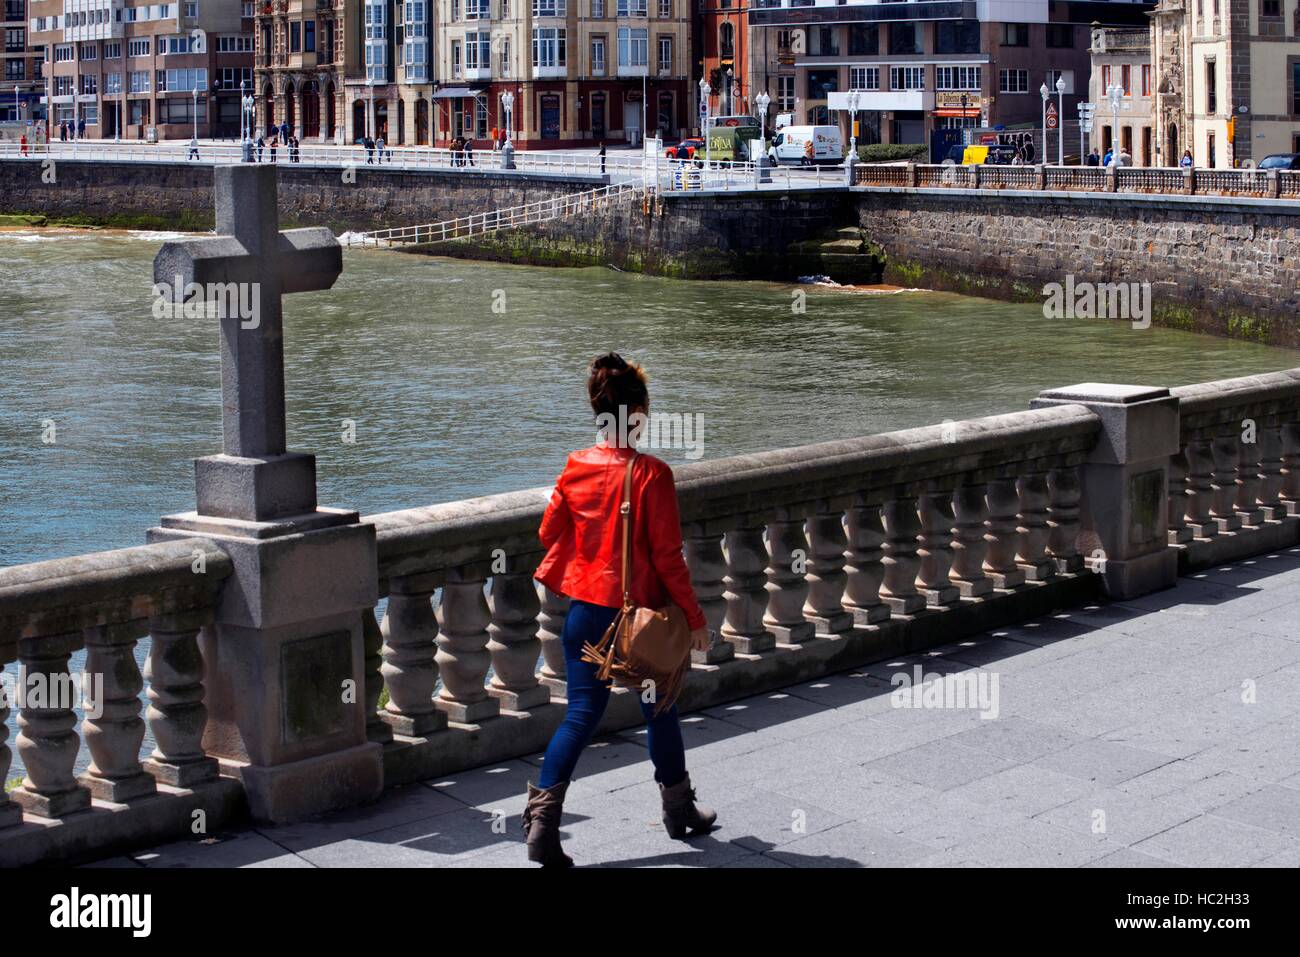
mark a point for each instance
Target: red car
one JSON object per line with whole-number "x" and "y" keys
{"x": 685, "y": 149}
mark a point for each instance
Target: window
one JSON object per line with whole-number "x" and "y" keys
{"x": 1013, "y": 81}
{"x": 309, "y": 36}
{"x": 907, "y": 78}
{"x": 232, "y": 77}
{"x": 597, "y": 56}
{"x": 248, "y": 9}
{"x": 665, "y": 55}
{"x": 1146, "y": 79}
{"x": 295, "y": 37}
{"x": 785, "y": 93}
{"x": 478, "y": 51}
{"x": 1015, "y": 34}
{"x": 549, "y": 8}
{"x": 1295, "y": 89}
{"x": 455, "y": 59}
{"x": 241, "y": 43}
{"x": 505, "y": 56}
{"x": 957, "y": 78}
{"x": 665, "y": 9}
{"x": 1060, "y": 35}
{"x": 480, "y": 117}
{"x": 138, "y": 82}
{"x": 63, "y": 53}
{"x": 478, "y": 10}
{"x": 1105, "y": 80}
{"x": 631, "y": 8}
{"x": 15, "y": 70}
{"x": 726, "y": 40}
{"x": 89, "y": 83}
{"x": 824, "y": 41}
{"x": 1211, "y": 89}
{"x": 822, "y": 82}
{"x": 139, "y": 47}
{"x": 957, "y": 36}
{"x": 1270, "y": 8}
{"x": 63, "y": 86}
{"x": 598, "y": 9}
{"x": 113, "y": 51}
{"x": 864, "y": 39}
{"x": 633, "y": 46}
{"x": 1066, "y": 75}
{"x": 1126, "y": 79}
{"x": 88, "y": 51}
{"x": 191, "y": 9}
{"x": 864, "y": 78}
{"x": 548, "y": 46}
{"x": 905, "y": 38}
{"x": 112, "y": 84}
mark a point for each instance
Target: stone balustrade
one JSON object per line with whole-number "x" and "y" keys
{"x": 806, "y": 560}
{"x": 103, "y": 604}
{"x": 1267, "y": 184}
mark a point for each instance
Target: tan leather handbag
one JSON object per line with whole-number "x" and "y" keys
{"x": 642, "y": 644}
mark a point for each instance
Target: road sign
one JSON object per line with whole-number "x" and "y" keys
{"x": 735, "y": 90}
{"x": 704, "y": 108}
{"x": 1051, "y": 116}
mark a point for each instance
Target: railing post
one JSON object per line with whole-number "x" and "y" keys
{"x": 1041, "y": 171}
{"x": 462, "y": 656}
{"x": 410, "y": 632}
{"x": 1179, "y": 531}
{"x": 863, "y": 568}
{"x": 115, "y": 735}
{"x": 934, "y": 547}
{"x": 178, "y": 715}
{"x": 1002, "y": 536}
{"x": 787, "y": 585}
{"x": 514, "y": 644}
{"x": 47, "y": 737}
{"x": 555, "y": 608}
{"x": 913, "y": 175}
{"x": 708, "y": 567}
{"x": 1112, "y": 178}
{"x": 1125, "y": 484}
{"x": 970, "y": 512}
{"x": 826, "y": 577}
{"x": 746, "y": 589}
{"x": 902, "y": 526}
{"x": 1189, "y": 180}
{"x": 1033, "y": 531}
{"x": 10, "y": 813}
{"x": 373, "y": 649}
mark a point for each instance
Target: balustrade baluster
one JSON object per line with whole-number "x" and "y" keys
{"x": 863, "y": 568}
{"x": 555, "y": 608}
{"x": 1200, "y": 493}
{"x": 1223, "y": 483}
{"x": 514, "y": 644}
{"x": 970, "y": 512}
{"x": 1246, "y": 499}
{"x": 934, "y": 548}
{"x": 47, "y": 737}
{"x": 1291, "y": 468}
{"x": 113, "y": 728}
{"x": 462, "y": 647}
{"x": 1179, "y": 531}
{"x": 372, "y": 649}
{"x": 826, "y": 575}
{"x": 746, "y": 590}
{"x": 177, "y": 714}
{"x": 707, "y": 566}
{"x": 411, "y": 658}
{"x": 1032, "y": 529}
{"x": 1003, "y": 534}
{"x": 902, "y": 526}
{"x": 1063, "y": 519}
{"x": 1270, "y": 471}
{"x": 10, "y": 813}
{"x": 787, "y": 586}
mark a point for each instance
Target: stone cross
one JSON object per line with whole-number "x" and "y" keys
{"x": 246, "y": 268}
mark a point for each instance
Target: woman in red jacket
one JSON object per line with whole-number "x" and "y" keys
{"x": 582, "y": 533}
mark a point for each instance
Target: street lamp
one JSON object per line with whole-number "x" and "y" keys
{"x": 1115, "y": 93}
{"x": 1043, "y": 90}
{"x": 508, "y": 149}
{"x": 1060, "y": 121}
{"x": 761, "y": 103}
{"x": 247, "y": 103}
{"x": 370, "y": 87}
{"x": 196, "y": 112}
{"x": 852, "y": 100}
{"x": 705, "y": 90}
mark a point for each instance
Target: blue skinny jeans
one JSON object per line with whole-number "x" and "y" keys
{"x": 588, "y": 696}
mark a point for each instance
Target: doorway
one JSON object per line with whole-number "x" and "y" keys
{"x": 311, "y": 109}
{"x": 550, "y": 116}
{"x": 598, "y": 116}
{"x": 632, "y": 121}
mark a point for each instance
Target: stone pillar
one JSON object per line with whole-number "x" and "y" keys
{"x": 708, "y": 567}
{"x": 514, "y": 645}
{"x": 864, "y": 571}
{"x": 10, "y": 813}
{"x": 410, "y": 630}
{"x": 115, "y": 736}
{"x": 555, "y": 608}
{"x": 1125, "y": 483}
{"x": 746, "y": 590}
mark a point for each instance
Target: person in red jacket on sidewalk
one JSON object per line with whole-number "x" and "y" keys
{"x": 582, "y": 533}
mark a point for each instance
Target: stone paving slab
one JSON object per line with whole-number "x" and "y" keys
{"x": 1161, "y": 732}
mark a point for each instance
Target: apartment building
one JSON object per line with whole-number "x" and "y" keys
{"x": 133, "y": 70}
{"x": 20, "y": 68}
{"x": 299, "y": 66}
{"x": 1121, "y": 60}
{"x": 726, "y": 60}
{"x": 1227, "y": 75}
{"x": 930, "y": 65}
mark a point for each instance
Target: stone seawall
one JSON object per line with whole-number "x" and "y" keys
{"x": 179, "y": 196}
{"x": 1223, "y": 266}
{"x": 698, "y": 236}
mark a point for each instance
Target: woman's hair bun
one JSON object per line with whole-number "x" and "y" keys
{"x": 613, "y": 382}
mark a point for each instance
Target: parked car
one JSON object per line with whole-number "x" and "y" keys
{"x": 806, "y": 145}
{"x": 1281, "y": 161}
{"x": 691, "y": 144}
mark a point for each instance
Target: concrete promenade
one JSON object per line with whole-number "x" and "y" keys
{"x": 1162, "y": 731}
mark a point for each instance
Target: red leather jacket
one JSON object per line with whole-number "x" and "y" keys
{"x": 583, "y": 534}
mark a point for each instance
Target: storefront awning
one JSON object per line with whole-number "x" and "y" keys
{"x": 455, "y": 93}
{"x": 971, "y": 112}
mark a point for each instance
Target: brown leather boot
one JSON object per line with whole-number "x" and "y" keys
{"x": 682, "y": 814}
{"x": 542, "y": 825}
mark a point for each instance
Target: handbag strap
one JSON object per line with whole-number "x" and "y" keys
{"x": 625, "y": 509}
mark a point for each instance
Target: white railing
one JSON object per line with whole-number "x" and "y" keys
{"x": 328, "y": 154}
{"x": 478, "y": 224}
{"x": 688, "y": 175}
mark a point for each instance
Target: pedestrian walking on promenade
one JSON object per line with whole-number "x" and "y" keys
{"x": 274, "y": 143}
{"x": 1186, "y": 161}
{"x": 469, "y": 152}
{"x": 1094, "y": 159}
{"x": 194, "y": 150}
{"x": 261, "y": 145}
{"x": 602, "y": 156}
{"x": 284, "y": 130}
{"x": 81, "y": 129}
{"x": 379, "y": 147}
{"x": 22, "y": 144}
{"x": 370, "y": 149}
{"x": 63, "y": 131}
{"x": 604, "y": 492}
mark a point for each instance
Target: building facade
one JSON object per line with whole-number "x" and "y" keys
{"x": 1227, "y": 74}
{"x": 121, "y": 69}
{"x": 931, "y": 65}
{"x": 726, "y": 58}
{"x": 298, "y": 66}
{"x": 20, "y": 68}
{"x": 1121, "y": 58}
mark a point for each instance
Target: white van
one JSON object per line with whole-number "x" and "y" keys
{"x": 806, "y": 145}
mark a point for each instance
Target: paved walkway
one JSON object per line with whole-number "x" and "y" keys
{"x": 1163, "y": 731}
